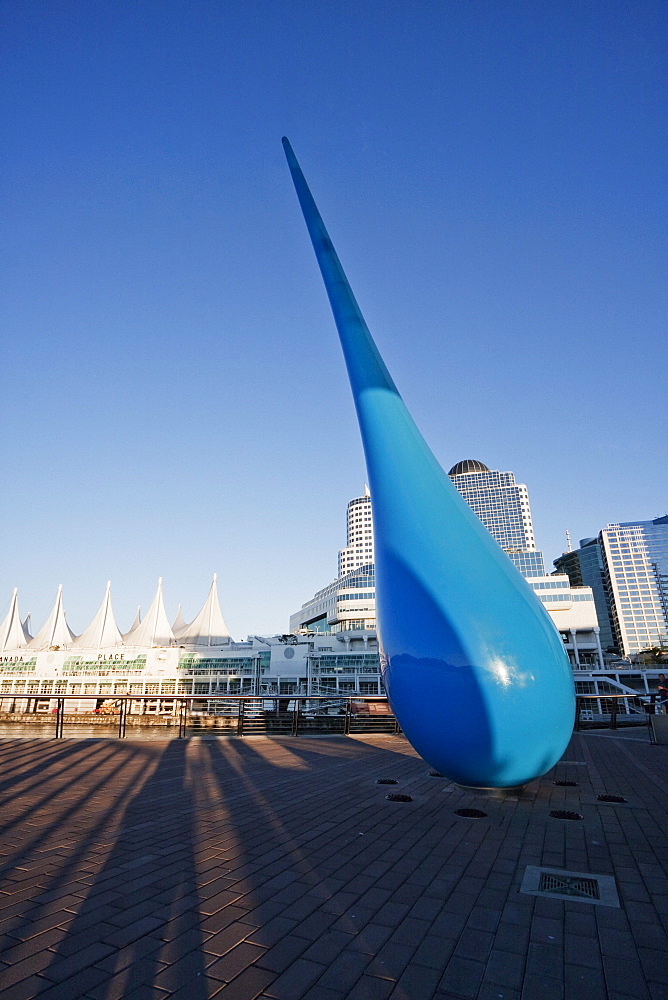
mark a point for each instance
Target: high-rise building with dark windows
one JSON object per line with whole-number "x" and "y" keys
{"x": 626, "y": 566}
{"x": 348, "y": 604}
{"x": 635, "y": 557}
{"x": 584, "y": 568}
{"x": 503, "y": 507}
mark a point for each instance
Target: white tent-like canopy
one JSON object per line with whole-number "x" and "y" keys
{"x": 136, "y": 621}
{"x": 13, "y": 634}
{"x": 179, "y": 624}
{"x": 55, "y": 632}
{"x": 103, "y": 630}
{"x": 155, "y": 629}
{"x": 208, "y": 628}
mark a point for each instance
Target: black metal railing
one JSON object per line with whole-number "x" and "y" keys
{"x": 279, "y": 715}
{"x": 612, "y": 711}
{"x": 221, "y": 715}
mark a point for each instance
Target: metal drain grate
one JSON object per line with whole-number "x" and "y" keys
{"x": 387, "y": 781}
{"x": 611, "y": 798}
{"x": 568, "y": 885}
{"x": 435, "y": 774}
{"x": 565, "y": 784}
{"x": 565, "y": 814}
{"x": 577, "y": 887}
{"x": 471, "y": 813}
{"x": 397, "y": 797}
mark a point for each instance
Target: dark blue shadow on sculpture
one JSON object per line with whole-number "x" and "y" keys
{"x": 475, "y": 671}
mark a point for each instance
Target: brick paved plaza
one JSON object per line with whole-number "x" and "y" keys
{"x": 277, "y": 868}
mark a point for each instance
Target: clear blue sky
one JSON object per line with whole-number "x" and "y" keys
{"x": 174, "y": 401}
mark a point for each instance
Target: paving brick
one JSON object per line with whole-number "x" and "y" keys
{"x": 545, "y": 960}
{"x": 225, "y": 917}
{"x": 462, "y": 977}
{"x": 26, "y": 989}
{"x": 417, "y": 981}
{"x": 490, "y": 991}
{"x": 320, "y": 993}
{"x": 131, "y": 953}
{"x": 391, "y": 961}
{"x": 625, "y": 975}
{"x": 328, "y": 946}
{"x": 217, "y": 902}
{"x": 23, "y": 949}
{"x": 272, "y": 932}
{"x": 140, "y": 973}
{"x": 411, "y": 931}
{"x": 474, "y": 944}
{"x": 542, "y": 988}
{"x": 582, "y": 981}
{"x": 440, "y": 885}
{"x": 203, "y": 988}
{"x": 140, "y": 928}
{"x": 190, "y": 966}
{"x": 371, "y": 988}
{"x": 235, "y": 961}
{"x": 27, "y": 967}
{"x": 344, "y": 971}
{"x": 313, "y": 926}
{"x": 299, "y": 977}
{"x": 505, "y": 968}
{"x": 283, "y": 954}
{"x": 248, "y": 985}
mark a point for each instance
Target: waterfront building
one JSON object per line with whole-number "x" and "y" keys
{"x": 626, "y": 566}
{"x": 155, "y": 660}
{"x": 503, "y": 507}
{"x": 358, "y": 550}
{"x": 585, "y": 568}
{"x": 349, "y": 602}
{"x": 635, "y": 557}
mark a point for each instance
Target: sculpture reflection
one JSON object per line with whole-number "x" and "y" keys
{"x": 474, "y": 669}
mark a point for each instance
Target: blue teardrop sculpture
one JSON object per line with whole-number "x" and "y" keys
{"x": 475, "y": 671}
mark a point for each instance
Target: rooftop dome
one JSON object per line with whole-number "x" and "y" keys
{"x": 468, "y": 465}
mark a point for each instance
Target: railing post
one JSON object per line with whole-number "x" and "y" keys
{"x": 578, "y": 708}
{"x": 346, "y": 727}
{"x": 183, "y": 718}
{"x": 60, "y": 711}
{"x": 123, "y": 719}
{"x": 295, "y": 718}
{"x": 613, "y": 714}
{"x": 240, "y": 717}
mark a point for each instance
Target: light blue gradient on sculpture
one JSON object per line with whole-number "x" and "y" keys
{"x": 475, "y": 671}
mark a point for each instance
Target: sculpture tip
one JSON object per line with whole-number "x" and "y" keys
{"x": 289, "y": 152}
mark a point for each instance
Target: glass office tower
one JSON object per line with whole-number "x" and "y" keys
{"x": 584, "y": 567}
{"x": 503, "y": 507}
{"x": 635, "y": 558}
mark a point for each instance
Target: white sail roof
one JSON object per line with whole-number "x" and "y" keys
{"x": 55, "y": 631}
{"x": 208, "y": 628}
{"x": 154, "y": 630}
{"x": 12, "y": 633}
{"x": 179, "y": 623}
{"x": 103, "y": 630}
{"x": 136, "y": 621}
{"x": 26, "y": 626}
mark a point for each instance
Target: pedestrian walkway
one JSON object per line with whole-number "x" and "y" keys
{"x": 278, "y": 868}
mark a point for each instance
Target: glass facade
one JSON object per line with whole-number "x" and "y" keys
{"x": 503, "y": 507}
{"x": 635, "y": 570}
{"x": 584, "y": 567}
